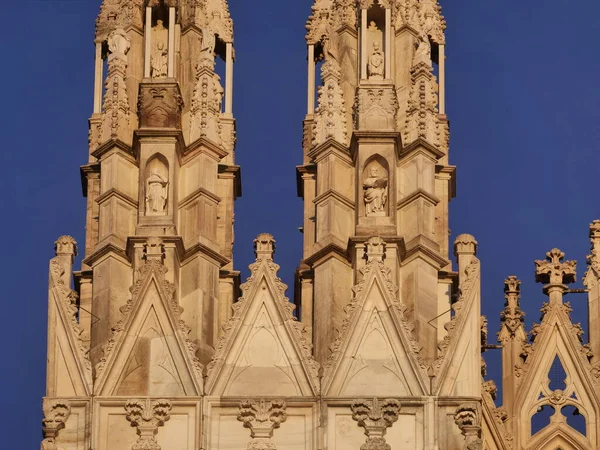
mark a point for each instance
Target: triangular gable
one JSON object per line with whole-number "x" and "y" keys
{"x": 71, "y": 372}
{"x": 457, "y": 369}
{"x": 263, "y": 351}
{"x": 375, "y": 353}
{"x": 149, "y": 353}
{"x": 556, "y": 337}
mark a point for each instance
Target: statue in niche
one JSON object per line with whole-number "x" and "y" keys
{"x": 159, "y": 61}
{"x": 376, "y": 64}
{"x": 156, "y": 194}
{"x": 376, "y": 193}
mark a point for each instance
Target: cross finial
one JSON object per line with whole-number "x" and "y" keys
{"x": 554, "y": 271}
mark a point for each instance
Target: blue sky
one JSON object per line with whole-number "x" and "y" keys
{"x": 523, "y": 102}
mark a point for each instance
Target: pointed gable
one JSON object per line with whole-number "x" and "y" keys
{"x": 149, "y": 353}
{"x": 70, "y": 370}
{"x": 263, "y": 340}
{"x": 375, "y": 353}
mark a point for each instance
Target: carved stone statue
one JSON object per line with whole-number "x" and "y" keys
{"x": 423, "y": 52}
{"x": 376, "y": 64}
{"x": 209, "y": 41}
{"x": 376, "y": 193}
{"x": 156, "y": 194}
{"x": 118, "y": 42}
{"x": 159, "y": 62}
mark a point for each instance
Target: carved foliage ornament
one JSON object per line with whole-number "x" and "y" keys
{"x": 147, "y": 416}
{"x": 513, "y": 316}
{"x": 421, "y": 116}
{"x": 330, "y": 115}
{"x": 468, "y": 418}
{"x": 56, "y": 414}
{"x": 376, "y": 109}
{"x": 262, "y": 418}
{"x": 207, "y": 102}
{"x": 375, "y": 417}
{"x": 554, "y": 271}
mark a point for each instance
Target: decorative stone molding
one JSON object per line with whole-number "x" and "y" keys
{"x": 116, "y": 110}
{"x": 406, "y": 13}
{"x": 56, "y": 414}
{"x": 262, "y": 418}
{"x": 375, "y": 417}
{"x": 344, "y": 13}
{"x": 421, "y": 115}
{"x": 466, "y": 289}
{"x": 375, "y": 249}
{"x": 152, "y": 265}
{"x": 160, "y": 105}
{"x": 330, "y": 115}
{"x": 554, "y": 271}
{"x": 147, "y": 416}
{"x": 206, "y": 104}
{"x": 154, "y": 249}
{"x": 433, "y": 21}
{"x": 468, "y": 419}
{"x": 264, "y": 249}
{"x": 349, "y": 310}
{"x": 318, "y": 22}
{"x": 67, "y": 303}
{"x": 118, "y": 14}
{"x": 376, "y": 108}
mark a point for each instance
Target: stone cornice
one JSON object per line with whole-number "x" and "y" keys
{"x": 376, "y": 137}
{"x": 422, "y": 146}
{"x": 337, "y": 196}
{"x": 329, "y": 250}
{"x": 140, "y": 240}
{"x": 449, "y": 173}
{"x": 148, "y": 134}
{"x": 426, "y": 249}
{"x": 330, "y": 147}
{"x": 120, "y": 195}
{"x": 115, "y": 144}
{"x": 103, "y": 250}
{"x": 418, "y": 194}
{"x": 86, "y": 172}
{"x": 235, "y": 172}
{"x": 301, "y": 172}
{"x": 205, "y": 146}
{"x": 200, "y": 192}
{"x": 205, "y": 250}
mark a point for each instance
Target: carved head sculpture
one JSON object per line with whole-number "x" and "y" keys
{"x": 374, "y": 172}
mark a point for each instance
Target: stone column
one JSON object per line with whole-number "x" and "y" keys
{"x": 311, "y": 80}
{"x": 171, "y": 61}
{"x": 148, "y": 43}
{"x": 229, "y": 79}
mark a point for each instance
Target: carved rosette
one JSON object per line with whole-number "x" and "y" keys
{"x": 468, "y": 419}
{"x": 206, "y": 104}
{"x": 375, "y": 417}
{"x": 330, "y": 116}
{"x": 376, "y": 108}
{"x": 262, "y": 418}
{"x": 421, "y": 115}
{"x": 56, "y": 414}
{"x": 147, "y": 416}
{"x": 160, "y": 105}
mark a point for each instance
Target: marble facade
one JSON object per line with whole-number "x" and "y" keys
{"x": 154, "y": 343}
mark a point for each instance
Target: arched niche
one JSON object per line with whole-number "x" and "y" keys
{"x": 375, "y": 187}
{"x": 156, "y": 186}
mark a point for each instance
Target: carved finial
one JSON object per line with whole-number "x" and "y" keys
{"x": 262, "y": 418}
{"x": 65, "y": 246}
{"x": 154, "y": 249}
{"x": 147, "y": 416}
{"x": 465, "y": 244}
{"x": 56, "y": 414}
{"x": 513, "y": 316}
{"x": 554, "y": 271}
{"x": 594, "y": 257}
{"x": 375, "y": 249}
{"x": 375, "y": 417}
{"x": 330, "y": 115}
{"x": 264, "y": 246}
